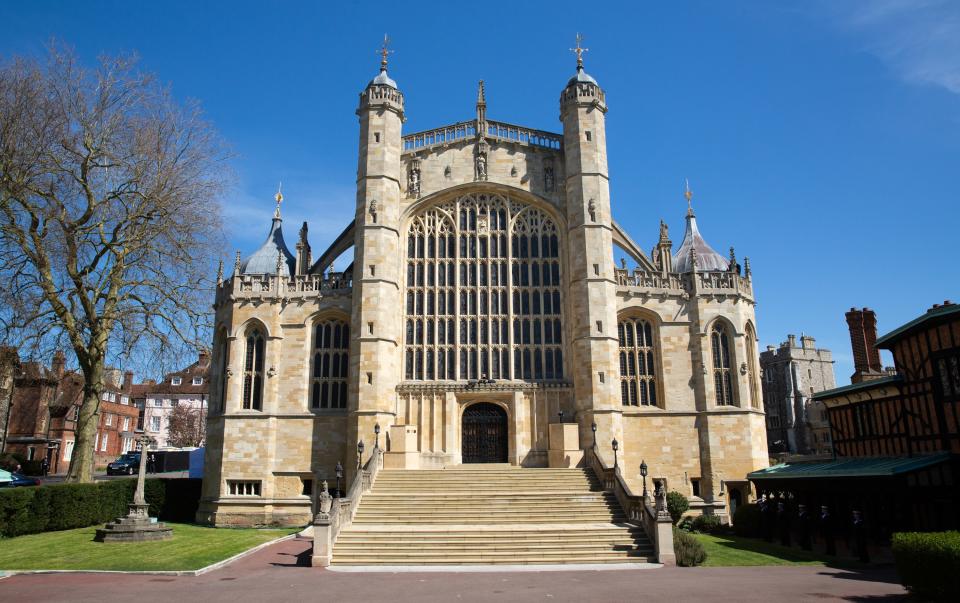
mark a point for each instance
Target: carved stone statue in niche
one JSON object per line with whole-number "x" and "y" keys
{"x": 413, "y": 180}
{"x": 373, "y": 210}
{"x": 548, "y": 177}
{"x": 592, "y": 209}
{"x": 663, "y": 231}
{"x": 481, "y": 166}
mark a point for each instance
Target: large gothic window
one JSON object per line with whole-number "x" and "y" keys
{"x": 253, "y": 370}
{"x": 222, "y": 354}
{"x": 638, "y": 377}
{"x": 483, "y": 292}
{"x": 331, "y": 340}
{"x": 722, "y": 378}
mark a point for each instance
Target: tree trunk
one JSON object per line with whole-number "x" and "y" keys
{"x": 81, "y": 463}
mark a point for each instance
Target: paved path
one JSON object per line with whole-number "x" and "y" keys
{"x": 277, "y": 573}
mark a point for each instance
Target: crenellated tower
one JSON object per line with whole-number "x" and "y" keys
{"x": 375, "y": 333}
{"x": 592, "y": 297}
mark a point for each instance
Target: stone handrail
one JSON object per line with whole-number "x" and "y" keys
{"x": 439, "y": 136}
{"x": 505, "y": 132}
{"x": 334, "y": 514}
{"x": 652, "y": 516}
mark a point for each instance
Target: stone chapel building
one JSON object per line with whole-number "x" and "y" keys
{"x": 482, "y": 301}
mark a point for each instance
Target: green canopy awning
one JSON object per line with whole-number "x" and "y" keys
{"x": 853, "y": 467}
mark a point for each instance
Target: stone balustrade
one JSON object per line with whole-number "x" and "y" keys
{"x": 467, "y": 130}
{"x": 639, "y": 282}
{"x": 258, "y": 286}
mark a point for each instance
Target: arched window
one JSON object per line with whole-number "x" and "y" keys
{"x": 638, "y": 376}
{"x": 722, "y": 378}
{"x": 751, "y": 345}
{"x": 489, "y": 270}
{"x": 331, "y": 340}
{"x": 253, "y": 370}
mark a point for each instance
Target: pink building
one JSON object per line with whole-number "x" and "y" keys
{"x": 187, "y": 387}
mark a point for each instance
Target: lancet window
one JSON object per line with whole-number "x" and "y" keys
{"x": 253, "y": 370}
{"x": 483, "y": 294}
{"x": 722, "y": 378}
{"x": 331, "y": 341}
{"x": 751, "y": 345}
{"x": 638, "y": 374}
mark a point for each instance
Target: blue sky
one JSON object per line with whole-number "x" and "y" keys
{"x": 820, "y": 138}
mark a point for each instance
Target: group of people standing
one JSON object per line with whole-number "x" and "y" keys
{"x": 778, "y": 520}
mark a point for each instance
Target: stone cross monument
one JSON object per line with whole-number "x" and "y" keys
{"x": 136, "y": 525}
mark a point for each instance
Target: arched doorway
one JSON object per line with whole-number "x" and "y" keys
{"x": 484, "y": 434}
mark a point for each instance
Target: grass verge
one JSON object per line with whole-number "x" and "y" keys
{"x": 191, "y": 548}
{"x": 730, "y": 551}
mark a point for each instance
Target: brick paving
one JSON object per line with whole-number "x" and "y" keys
{"x": 278, "y": 573}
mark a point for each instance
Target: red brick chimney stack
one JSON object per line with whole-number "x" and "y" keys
{"x": 127, "y": 381}
{"x": 863, "y": 340}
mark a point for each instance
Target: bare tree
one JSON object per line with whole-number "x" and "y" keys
{"x": 187, "y": 426}
{"x": 109, "y": 219}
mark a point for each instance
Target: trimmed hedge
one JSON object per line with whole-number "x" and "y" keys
{"x": 706, "y": 524}
{"x": 68, "y": 506}
{"x": 929, "y": 563}
{"x": 747, "y": 521}
{"x": 689, "y": 550}
{"x": 677, "y": 505}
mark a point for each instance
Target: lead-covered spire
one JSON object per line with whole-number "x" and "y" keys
{"x": 694, "y": 252}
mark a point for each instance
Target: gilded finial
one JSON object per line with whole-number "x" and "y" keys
{"x": 384, "y": 52}
{"x": 579, "y": 50}
{"x": 689, "y": 195}
{"x": 279, "y": 199}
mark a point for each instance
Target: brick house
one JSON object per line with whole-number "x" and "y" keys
{"x": 44, "y": 409}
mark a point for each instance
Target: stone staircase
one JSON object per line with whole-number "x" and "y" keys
{"x": 489, "y": 514}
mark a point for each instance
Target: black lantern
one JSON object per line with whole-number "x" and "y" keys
{"x": 339, "y": 477}
{"x": 616, "y": 446}
{"x": 376, "y": 435}
{"x": 593, "y": 428}
{"x": 359, "y": 454}
{"x": 561, "y": 416}
{"x": 643, "y": 472}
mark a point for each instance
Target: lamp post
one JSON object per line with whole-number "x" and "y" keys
{"x": 376, "y": 435}
{"x": 616, "y": 445}
{"x": 359, "y": 454}
{"x": 561, "y": 416}
{"x": 643, "y": 473}
{"x": 593, "y": 428}
{"x": 339, "y": 477}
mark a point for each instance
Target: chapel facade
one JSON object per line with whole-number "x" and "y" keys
{"x": 482, "y": 304}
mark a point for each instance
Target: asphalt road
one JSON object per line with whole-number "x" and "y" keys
{"x": 279, "y": 573}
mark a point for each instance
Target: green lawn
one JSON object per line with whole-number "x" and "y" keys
{"x": 192, "y": 547}
{"x": 727, "y": 551}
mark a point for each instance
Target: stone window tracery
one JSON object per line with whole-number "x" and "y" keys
{"x": 331, "y": 342}
{"x": 483, "y": 292}
{"x": 722, "y": 378}
{"x": 253, "y": 370}
{"x": 638, "y": 374}
{"x": 751, "y": 345}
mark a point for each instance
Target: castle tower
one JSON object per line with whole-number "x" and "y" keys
{"x": 375, "y": 333}
{"x": 592, "y": 295}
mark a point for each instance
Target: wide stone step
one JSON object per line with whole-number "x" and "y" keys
{"x": 501, "y": 558}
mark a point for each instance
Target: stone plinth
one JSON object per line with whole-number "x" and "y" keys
{"x": 565, "y": 445}
{"x": 403, "y": 452}
{"x": 135, "y": 527}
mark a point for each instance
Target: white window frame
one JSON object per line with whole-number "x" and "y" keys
{"x": 108, "y": 419}
{"x": 68, "y": 450}
{"x": 176, "y": 381}
{"x": 158, "y": 402}
{"x": 103, "y": 442}
{"x": 198, "y": 380}
{"x": 126, "y": 424}
{"x": 155, "y": 423}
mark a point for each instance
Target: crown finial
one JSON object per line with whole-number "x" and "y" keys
{"x": 579, "y": 49}
{"x": 384, "y": 52}
{"x": 689, "y": 196}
